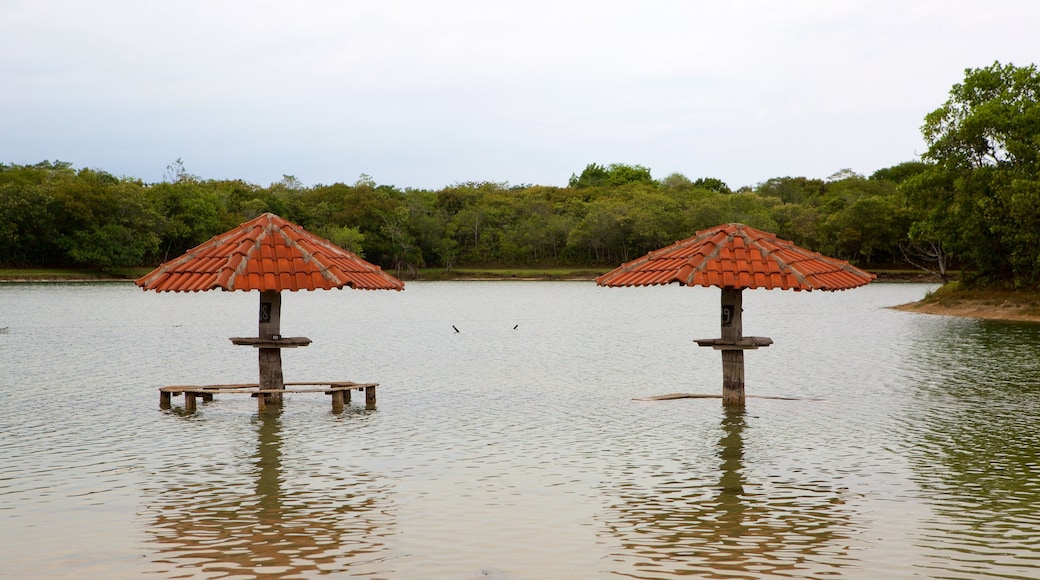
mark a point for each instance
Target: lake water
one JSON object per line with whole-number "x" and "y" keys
{"x": 515, "y": 448}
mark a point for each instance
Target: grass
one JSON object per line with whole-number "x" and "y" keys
{"x": 908, "y": 275}
{"x": 487, "y": 273}
{"x": 74, "y": 274}
{"x": 954, "y": 297}
{"x": 508, "y": 273}
{"x": 69, "y": 274}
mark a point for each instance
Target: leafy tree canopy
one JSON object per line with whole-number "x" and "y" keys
{"x": 614, "y": 175}
{"x": 978, "y": 198}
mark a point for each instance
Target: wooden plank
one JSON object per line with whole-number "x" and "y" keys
{"x": 743, "y": 343}
{"x": 284, "y": 342}
{"x": 331, "y": 383}
{"x": 176, "y": 388}
{"x": 339, "y": 390}
{"x": 206, "y": 392}
{"x": 232, "y": 387}
{"x": 671, "y": 396}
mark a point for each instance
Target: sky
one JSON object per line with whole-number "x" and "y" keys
{"x": 426, "y": 93}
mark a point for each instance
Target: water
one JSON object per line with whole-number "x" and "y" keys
{"x": 909, "y": 448}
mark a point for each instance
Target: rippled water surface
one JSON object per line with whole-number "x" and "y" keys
{"x": 874, "y": 443}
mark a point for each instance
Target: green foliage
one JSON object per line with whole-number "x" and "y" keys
{"x": 57, "y": 216}
{"x": 899, "y": 173}
{"x": 977, "y": 197}
{"x": 793, "y": 189}
{"x": 347, "y": 237}
{"x": 614, "y": 175}
{"x": 712, "y": 184}
{"x": 110, "y": 246}
{"x": 973, "y": 201}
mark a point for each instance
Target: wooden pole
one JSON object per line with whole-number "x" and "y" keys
{"x": 271, "y": 358}
{"x": 337, "y": 401}
{"x": 732, "y": 360}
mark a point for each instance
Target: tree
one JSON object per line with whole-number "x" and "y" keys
{"x": 990, "y": 120}
{"x": 346, "y": 237}
{"x": 677, "y": 181}
{"x": 176, "y": 172}
{"x": 899, "y": 173}
{"x": 593, "y": 176}
{"x": 614, "y": 175}
{"x": 792, "y": 189}
{"x": 191, "y": 215}
{"x": 978, "y": 196}
{"x": 712, "y": 184}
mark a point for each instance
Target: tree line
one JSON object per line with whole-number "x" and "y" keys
{"x": 54, "y": 215}
{"x": 971, "y": 202}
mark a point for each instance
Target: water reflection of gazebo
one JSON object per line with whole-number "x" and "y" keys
{"x": 268, "y": 254}
{"x": 202, "y": 523}
{"x": 728, "y": 524}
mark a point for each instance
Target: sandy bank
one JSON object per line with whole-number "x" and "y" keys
{"x": 983, "y": 304}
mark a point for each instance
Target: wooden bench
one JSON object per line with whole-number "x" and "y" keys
{"x": 339, "y": 390}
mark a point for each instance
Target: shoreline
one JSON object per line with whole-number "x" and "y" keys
{"x": 432, "y": 275}
{"x": 1000, "y": 305}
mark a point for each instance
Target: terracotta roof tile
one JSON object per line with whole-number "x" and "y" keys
{"x": 737, "y": 256}
{"x": 267, "y": 253}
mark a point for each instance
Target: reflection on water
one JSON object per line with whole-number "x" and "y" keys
{"x": 715, "y": 523}
{"x": 286, "y": 522}
{"x": 516, "y": 448}
{"x": 976, "y": 451}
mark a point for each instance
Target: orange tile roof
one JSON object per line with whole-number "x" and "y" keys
{"x": 267, "y": 253}
{"x": 737, "y": 256}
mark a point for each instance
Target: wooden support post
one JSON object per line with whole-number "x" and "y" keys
{"x": 261, "y": 402}
{"x": 271, "y": 358}
{"x": 337, "y": 401}
{"x": 189, "y": 402}
{"x": 370, "y": 398}
{"x": 164, "y": 400}
{"x": 346, "y": 397}
{"x": 732, "y": 360}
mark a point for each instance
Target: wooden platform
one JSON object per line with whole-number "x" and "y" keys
{"x": 280, "y": 342}
{"x": 338, "y": 390}
{"x": 742, "y": 343}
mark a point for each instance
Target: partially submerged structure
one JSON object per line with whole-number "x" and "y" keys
{"x": 735, "y": 257}
{"x": 268, "y": 255}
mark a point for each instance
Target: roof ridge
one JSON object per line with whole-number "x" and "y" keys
{"x": 251, "y": 249}
{"x": 708, "y": 234}
{"x": 324, "y": 267}
{"x": 772, "y": 255}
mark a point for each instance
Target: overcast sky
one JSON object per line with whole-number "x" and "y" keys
{"x": 428, "y": 93}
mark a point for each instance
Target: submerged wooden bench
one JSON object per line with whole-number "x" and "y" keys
{"x": 339, "y": 390}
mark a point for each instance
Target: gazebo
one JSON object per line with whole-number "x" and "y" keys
{"x": 735, "y": 257}
{"x": 267, "y": 254}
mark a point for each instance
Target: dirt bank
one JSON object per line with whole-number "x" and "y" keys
{"x": 985, "y": 304}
